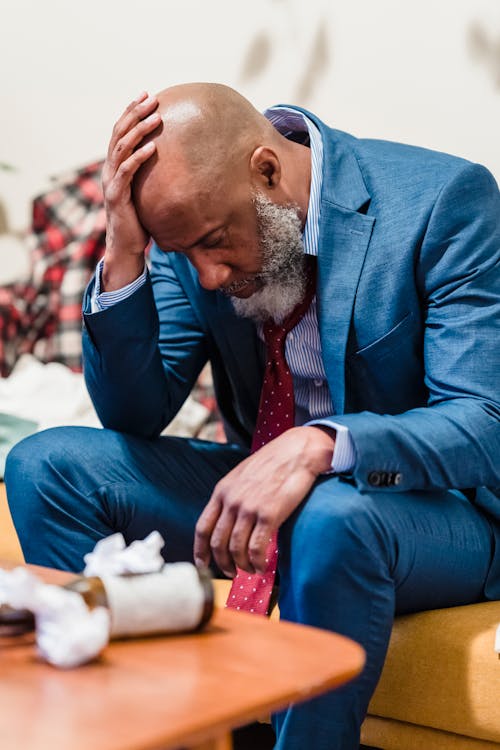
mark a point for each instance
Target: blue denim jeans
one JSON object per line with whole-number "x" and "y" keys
{"x": 349, "y": 561}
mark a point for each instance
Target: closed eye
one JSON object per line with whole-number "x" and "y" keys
{"x": 214, "y": 240}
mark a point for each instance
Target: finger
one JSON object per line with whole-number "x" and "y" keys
{"x": 143, "y": 95}
{"x": 129, "y": 142}
{"x": 240, "y": 538}
{"x": 219, "y": 542}
{"x": 203, "y": 531}
{"x": 120, "y": 184}
{"x": 260, "y": 545}
{"x": 138, "y": 99}
{"x": 136, "y": 111}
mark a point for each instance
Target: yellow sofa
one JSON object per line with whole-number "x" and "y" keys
{"x": 440, "y": 688}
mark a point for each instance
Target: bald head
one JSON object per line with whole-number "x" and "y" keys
{"x": 206, "y": 130}
{"x": 209, "y": 117}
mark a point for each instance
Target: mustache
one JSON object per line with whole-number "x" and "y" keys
{"x": 237, "y": 286}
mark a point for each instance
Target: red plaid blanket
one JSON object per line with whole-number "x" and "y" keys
{"x": 42, "y": 316}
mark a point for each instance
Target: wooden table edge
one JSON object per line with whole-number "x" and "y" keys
{"x": 217, "y": 736}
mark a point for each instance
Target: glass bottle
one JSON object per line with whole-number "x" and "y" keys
{"x": 14, "y": 622}
{"x": 178, "y": 598}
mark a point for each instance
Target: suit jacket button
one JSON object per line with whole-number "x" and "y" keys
{"x": 374, "y": 478}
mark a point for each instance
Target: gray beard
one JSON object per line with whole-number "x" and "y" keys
{"x": 283, "y": 268}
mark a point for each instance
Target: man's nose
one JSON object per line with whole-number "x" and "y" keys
{"x": 211, "y": 275}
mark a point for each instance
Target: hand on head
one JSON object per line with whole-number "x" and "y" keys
{"x": 126, "y": 239}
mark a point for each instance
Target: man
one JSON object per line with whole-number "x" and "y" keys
{"x": 378, "y": 486}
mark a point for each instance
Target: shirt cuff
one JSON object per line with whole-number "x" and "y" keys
{"x": 344, "y": 453}
{"x": 102, "y": 300}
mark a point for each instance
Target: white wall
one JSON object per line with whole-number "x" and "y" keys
{"x": 425, "y": 72}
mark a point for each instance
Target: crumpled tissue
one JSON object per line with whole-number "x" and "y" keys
{"x": 68, "y": 633}
{"x": 111, "y": 556}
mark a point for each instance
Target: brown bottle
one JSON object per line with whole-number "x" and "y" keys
{"x": 179, "y": 598}
{"x": 15, "y": 621}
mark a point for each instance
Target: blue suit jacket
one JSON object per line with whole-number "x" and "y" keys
{"x": 409, "y": 316}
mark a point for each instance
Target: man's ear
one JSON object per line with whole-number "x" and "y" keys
{"x": 265, "y": 168}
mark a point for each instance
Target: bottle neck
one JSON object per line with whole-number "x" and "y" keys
{"x": 15, "y": 622}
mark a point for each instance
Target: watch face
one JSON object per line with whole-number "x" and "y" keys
{"x": 15, "y": 621}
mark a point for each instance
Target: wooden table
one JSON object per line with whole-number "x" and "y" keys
{"x": 169, "y": 692}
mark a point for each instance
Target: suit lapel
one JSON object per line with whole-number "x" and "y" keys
{"x": 344, "y": 238}
{"x": 233, "y": 344}
{"x": 241, "y": 351}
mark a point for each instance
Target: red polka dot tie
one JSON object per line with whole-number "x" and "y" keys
{"x": 252, "y": 592}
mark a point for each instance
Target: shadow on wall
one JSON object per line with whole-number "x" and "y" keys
{"x": 4, "y": 225}
{"x": 484, "y": 47}
{"x": 264, "y": 49}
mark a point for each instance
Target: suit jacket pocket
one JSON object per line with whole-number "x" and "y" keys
{"x": 387, "y": 343}
{"x": 387, "y": 375}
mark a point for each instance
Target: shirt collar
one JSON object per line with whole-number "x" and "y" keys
{"x": 290, "y": 121}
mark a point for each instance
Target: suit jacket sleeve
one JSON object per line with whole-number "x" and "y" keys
{"x": 455, "y": 440}
{"x": 142, "y": 356}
